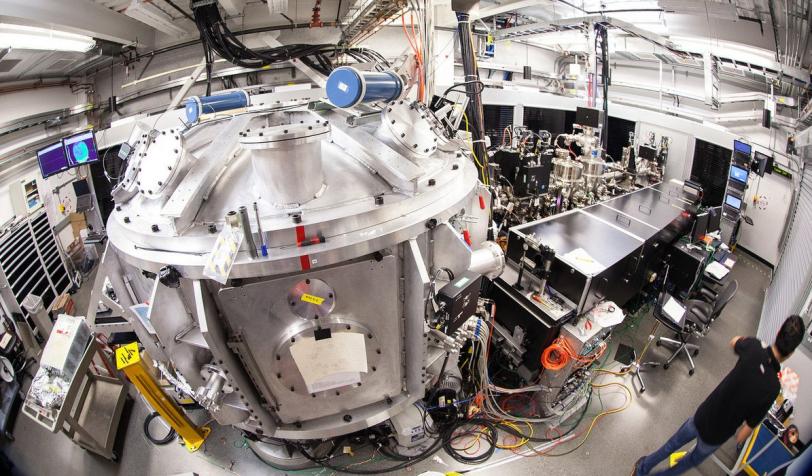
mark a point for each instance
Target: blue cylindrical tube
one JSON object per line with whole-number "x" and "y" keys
{"x": 199, "y": 105}
{"x": 348, "y": 87}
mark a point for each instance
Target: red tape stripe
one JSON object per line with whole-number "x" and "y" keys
{"x": 304, "y": 260}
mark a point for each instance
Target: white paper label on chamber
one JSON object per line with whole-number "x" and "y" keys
{"x": 342, "y": 86}
{"x": 330, "y": 363}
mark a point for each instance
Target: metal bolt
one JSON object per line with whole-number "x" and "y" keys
{"x": 212, "y": 228}
{"x": 155, "y": 229}
{"x": 126, "y": 219}
{"x": 455, "y": 167}
{"x": 432, "y": 182}
{"x": 348, "y": 418}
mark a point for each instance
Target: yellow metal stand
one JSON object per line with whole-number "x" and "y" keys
{"x": 129, "y": 360}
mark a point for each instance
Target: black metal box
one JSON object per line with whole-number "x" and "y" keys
{"x": 459, "y": 299}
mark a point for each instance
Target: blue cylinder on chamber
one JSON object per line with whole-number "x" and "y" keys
{"x": 348, "y": 87}
{"x": 199, "y": 105}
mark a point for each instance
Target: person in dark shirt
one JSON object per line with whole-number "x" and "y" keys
{"x": 736, "y": 406}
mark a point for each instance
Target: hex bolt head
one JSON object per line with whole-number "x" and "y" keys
{"x": 212, "y": 228}
{"x": 348, "y": 418}
{"x": 126, "y": 219}
{"x": 155, "y": 229}
{"x": 432, "y": 182}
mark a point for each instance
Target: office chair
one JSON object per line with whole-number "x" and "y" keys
{"x": 682, "y": 332}
{"x": 699, "y": 315}
{"x": 709, "y": 306}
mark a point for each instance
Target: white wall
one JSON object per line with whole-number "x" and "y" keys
{"x": 25, "y": 103}
{"x": 20, "y": 104}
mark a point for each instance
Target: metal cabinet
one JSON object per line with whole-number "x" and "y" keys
{"x": 31, "y": 262}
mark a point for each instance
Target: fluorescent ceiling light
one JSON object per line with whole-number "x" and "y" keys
{"x": 35, "y": 38}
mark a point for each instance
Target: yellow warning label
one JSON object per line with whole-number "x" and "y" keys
{"x": 127, "y": 355}
{"x": 312, "y": 299}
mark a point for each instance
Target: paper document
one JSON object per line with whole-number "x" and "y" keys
{"x": 330, "y": 363}
{"x": 716, "y": 270}
{"x": 580, "y": 259}
{"x": 606, "y": 314}
{"x": 674, "y": 310}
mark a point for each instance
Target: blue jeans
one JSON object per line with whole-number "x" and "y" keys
{"x": 685, "y": 434}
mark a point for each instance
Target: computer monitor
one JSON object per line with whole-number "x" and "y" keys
{"x": 52, "y": 160}
{"x": 760, "y": 163}
{"x": 646, "y": 152}
{"x": 84, "y": 199}
{"x": 588, "y": 117}
{"x": 738, "y": 174}
{"x": 714, "y": 219}
{"x": 700, "y": 226}
{"x": 733, "y": 201}
{"x": 742, "y": 147}
{"x": 80, "y": 149}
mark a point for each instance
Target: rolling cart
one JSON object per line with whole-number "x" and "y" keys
{"x": 92, "y": 409}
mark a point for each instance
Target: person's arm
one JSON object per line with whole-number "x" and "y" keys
{"x": 734, "y": 341}
{"x": 743, "y": 433}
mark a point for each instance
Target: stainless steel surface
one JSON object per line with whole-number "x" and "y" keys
{"x": 345, "y": 214}
{"x": 292, "y": 151}
{"x": 246, "y": 229}
{"x": 311, "y": 298}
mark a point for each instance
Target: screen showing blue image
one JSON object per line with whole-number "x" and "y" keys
{"x": 739, "y": 174}
{"x": 733, "y": 201}
{"x": 746, "y": 149}
{"x": 52, "y": 160}
{"x": 80, "y": 149}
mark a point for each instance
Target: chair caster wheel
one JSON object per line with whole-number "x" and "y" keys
{"x": 691, "y": 372}
{"x": 695, "y": 353}
{"x": 665, "y": 366}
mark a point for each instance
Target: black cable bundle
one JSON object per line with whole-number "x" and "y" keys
{"x": 473, "y": 86}
{"x": 218, "y": 38}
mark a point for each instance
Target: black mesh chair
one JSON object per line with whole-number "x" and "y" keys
{"x": 699, "y": 315}
{"x": 683, "y": 331}
{"x": 709, "y": 306}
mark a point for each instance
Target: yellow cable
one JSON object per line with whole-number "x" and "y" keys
{"x": 471, "y": 143}
{"x": 521, "y": 442}
{"x": 604, "y": 413}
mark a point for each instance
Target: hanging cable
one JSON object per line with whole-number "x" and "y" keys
{"x": 218, "y": 38}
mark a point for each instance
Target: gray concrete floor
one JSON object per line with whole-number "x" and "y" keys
{"x": 612, "y": 448}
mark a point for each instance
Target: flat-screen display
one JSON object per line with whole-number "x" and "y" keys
{"x": 52, "y": 160}
{"x": 761, "y": 161}
{"x": 738, "y": 173}
{"x": 734, "y": 201}
{"x": 714, "y": 219}
{"x": 80, "y": 149}
{"x": 700, "y": 227}
{"x": 739, "y": 146}
{"x": 646, "y": 152}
